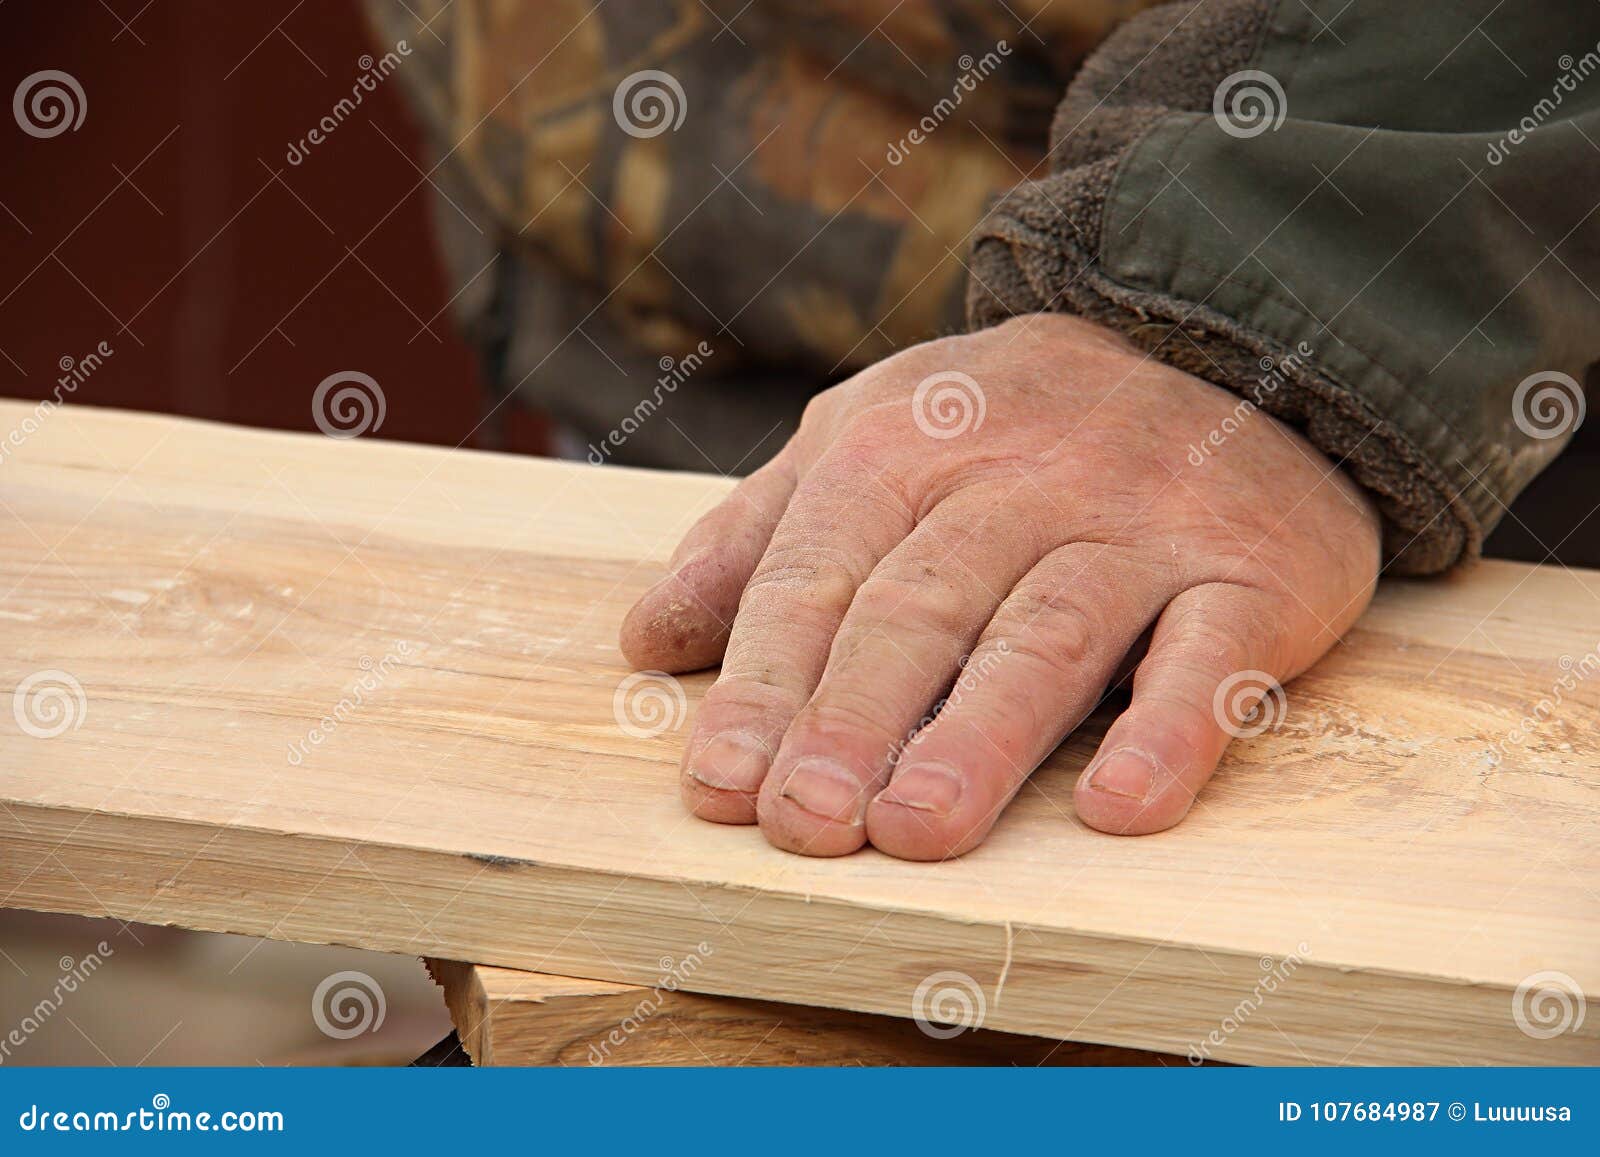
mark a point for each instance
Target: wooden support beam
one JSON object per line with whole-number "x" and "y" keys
{"x": 508, "y": 1017}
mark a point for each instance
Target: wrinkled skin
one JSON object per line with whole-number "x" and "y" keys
{"x": 1034, "y": 555}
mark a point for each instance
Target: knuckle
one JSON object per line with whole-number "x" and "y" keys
{"x": 1250, "y": 637}
{"x": 809, "y": 574}
{"x": 996, "y": 701}
{"x": 759, "y": 692}
{"x": 921, "y": 601}
{"x": 1049, "y": 624}
{"x": 817, "y": 411}
{"x": 874, "y": 461}
{"x": 1192, "y": 718}
{"x": 1184, "y": 671}
{"x": 872, "y": 429}
{"x": 860, "y": 713}
{"x": 822, "y": 414}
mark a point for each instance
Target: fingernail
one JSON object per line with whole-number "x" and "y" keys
{"x": 928, "y": 787}
{"x": 826, "y": 790}
{"x": 731, "y": 761}
{"x": 1125, "y": 772}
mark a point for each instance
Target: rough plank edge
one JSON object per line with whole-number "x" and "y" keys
{"x": 1059, "y": 985}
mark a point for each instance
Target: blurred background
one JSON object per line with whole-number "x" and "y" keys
{"x": 170, "y": 224}
{"x": 228, "y": 283}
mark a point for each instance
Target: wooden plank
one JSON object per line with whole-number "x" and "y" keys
{"x": 217, "y": 592}
{"x": 508, "y": 1017}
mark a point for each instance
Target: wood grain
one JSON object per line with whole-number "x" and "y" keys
{"x": 217, "y": 592}
{"x": 508, "y": 1017}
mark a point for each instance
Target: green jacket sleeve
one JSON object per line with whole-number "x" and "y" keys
{"x": 1376, "y": 221}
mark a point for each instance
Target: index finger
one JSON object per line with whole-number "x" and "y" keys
{"x": 840, "y": 523}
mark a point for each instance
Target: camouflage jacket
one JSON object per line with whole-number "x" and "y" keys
{"x": 1374, "y": 221}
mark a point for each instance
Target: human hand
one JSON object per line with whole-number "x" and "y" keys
{"x": 891, "y": 547}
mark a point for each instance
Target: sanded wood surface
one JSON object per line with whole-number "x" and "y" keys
{"x": 216, "y": 593}
{"x": 505, "y": 1016}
